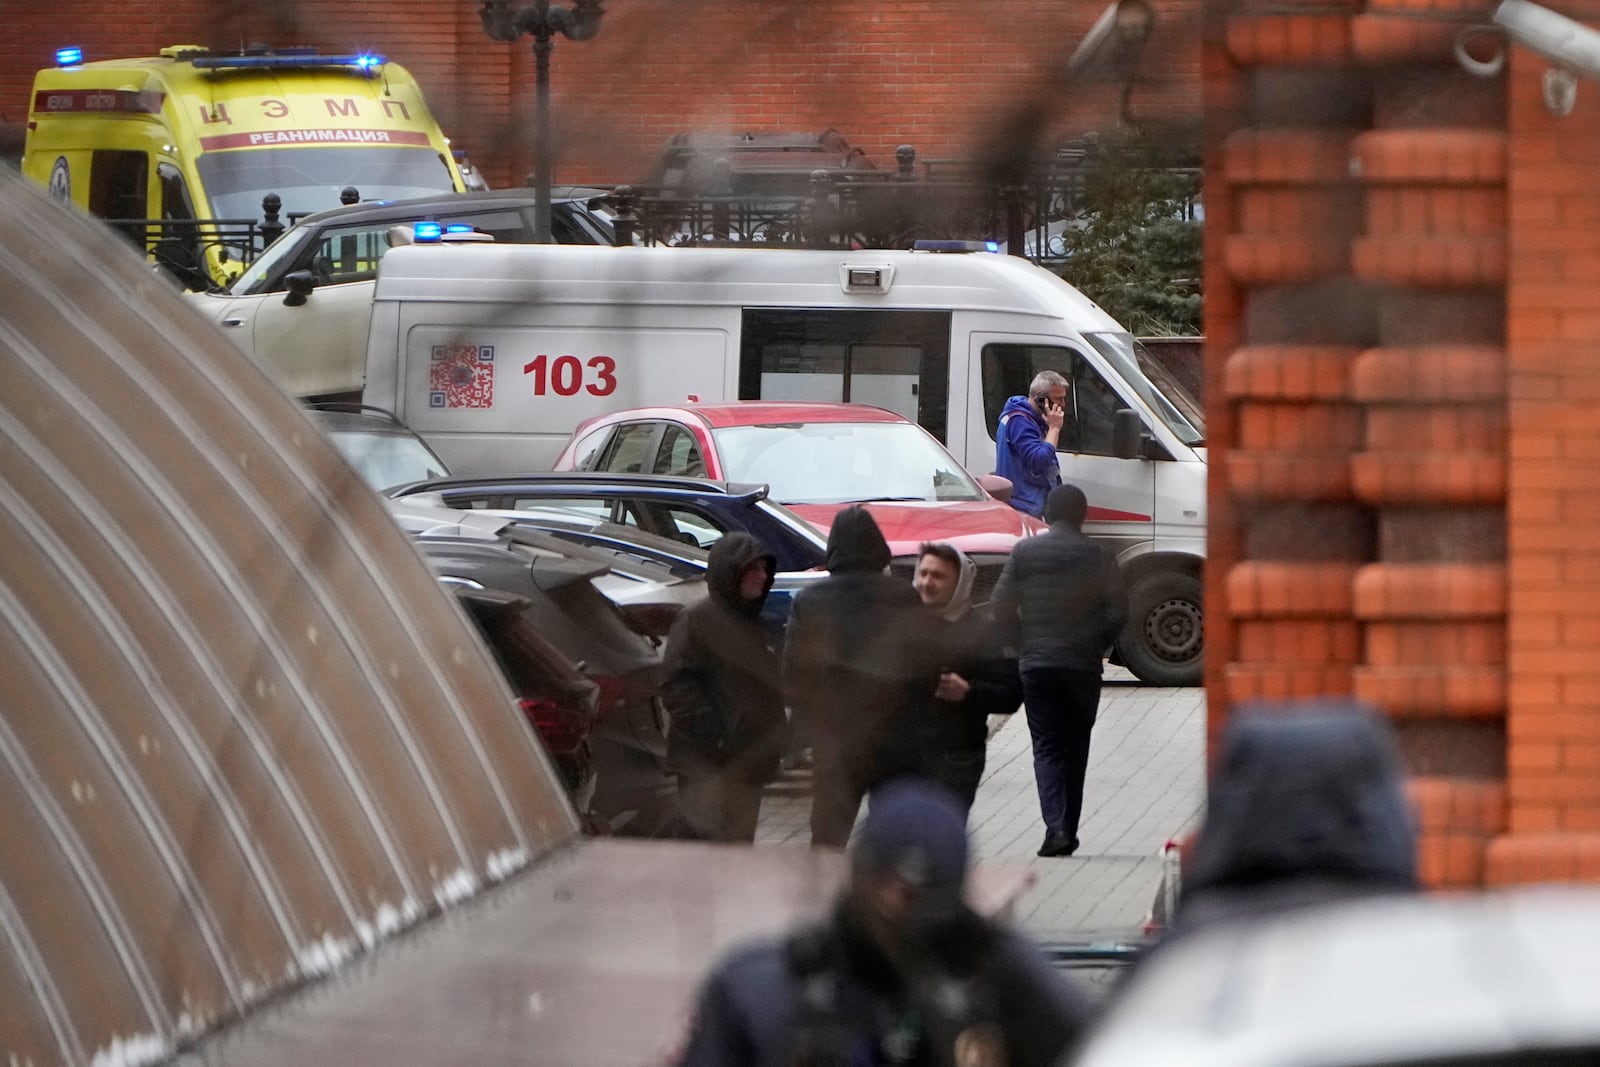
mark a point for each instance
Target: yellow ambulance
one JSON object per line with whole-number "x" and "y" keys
{"x": 197, "y": 155}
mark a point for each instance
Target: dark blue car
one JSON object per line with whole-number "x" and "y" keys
{"x": 692, "y": 511}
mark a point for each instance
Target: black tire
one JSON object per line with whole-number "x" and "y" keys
{"x": 1164, "y": 643}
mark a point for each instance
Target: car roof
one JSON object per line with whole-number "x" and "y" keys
{"x": 371, "y": 210}
{"x": 764, "y": 412}
{"x": 1403, "y": 979}
{"x": 595, "y": 480}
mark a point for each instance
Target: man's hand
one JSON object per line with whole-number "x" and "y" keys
{"x": 1054, "y": 416}
{"x": 952, "y": 687}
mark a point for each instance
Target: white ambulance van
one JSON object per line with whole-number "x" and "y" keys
{"x": 179, "y": 150}
{"x": 494, "y": 353}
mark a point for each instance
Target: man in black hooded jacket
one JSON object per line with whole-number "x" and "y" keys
{"x": 858, "y": 666}
{"x": 722, "y": 693}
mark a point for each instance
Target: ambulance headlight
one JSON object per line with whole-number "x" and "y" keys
{"x": 69, "y": 57}
{"x": 427, "y": 232}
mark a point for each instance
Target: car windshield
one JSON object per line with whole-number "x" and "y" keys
{"x": 385, "y": 459}
{"x": 1119, "y": 349}
{"x": 842, "y": 462}
{"x": 310, "y": 178}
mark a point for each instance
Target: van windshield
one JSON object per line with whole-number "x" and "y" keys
{"x": 1183, "y": 417}
{"x": 309, "y": 178}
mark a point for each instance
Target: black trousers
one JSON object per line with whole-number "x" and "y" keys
{"x": 1061, "y": 705}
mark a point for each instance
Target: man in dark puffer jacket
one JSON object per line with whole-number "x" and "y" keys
{"x": 1066, "y": 593}
{"x": 727, "y": 720}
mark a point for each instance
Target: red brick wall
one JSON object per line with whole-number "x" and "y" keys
{"x": 1399, "y": 258}
{"x": 1553, "y": 511}
{"x": 939, "y": 74}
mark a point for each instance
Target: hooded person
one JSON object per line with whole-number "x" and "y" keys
{"x": 1306, "y": 806}
{"x": 857, "y": 668}
{"x": 721, "y": 690}
{"x": 978, "y": 676}
{"x": 900, "y": 971}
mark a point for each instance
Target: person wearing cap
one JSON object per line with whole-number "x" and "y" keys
{"x": 858, "y": 666}
{"x": 978, "y": 677}
{"x": 902, "y": 970}
{"x": 1064, "y": 594}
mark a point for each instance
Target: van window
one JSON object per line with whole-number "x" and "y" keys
{"x": 308, "y": 178}
{"x": 898, "y": 360}
{"x": 1008, "y": 370}
{"x": 177, "y": 246}
{"x": 679, "y": 454}
{"x": 119, "y": 182}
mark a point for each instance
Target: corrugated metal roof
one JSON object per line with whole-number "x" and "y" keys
{"x": 245, "y": 735}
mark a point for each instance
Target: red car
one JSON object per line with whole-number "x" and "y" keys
{"x": 817, "y": 459}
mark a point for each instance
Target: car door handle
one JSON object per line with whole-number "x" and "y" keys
{"x": 233, "y": 322}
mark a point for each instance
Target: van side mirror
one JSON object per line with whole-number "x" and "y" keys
{"x": 299, "y": 283}
{"x": 1127, "y": 434}
{"x": 996, "y": 486}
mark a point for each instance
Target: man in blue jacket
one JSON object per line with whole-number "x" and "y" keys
{"x": 1026, "y": 440}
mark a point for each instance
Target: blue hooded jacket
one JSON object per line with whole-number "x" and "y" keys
{"x": 1024, "y": 456}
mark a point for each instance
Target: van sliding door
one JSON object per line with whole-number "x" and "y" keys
{"x": 898, "y": 360}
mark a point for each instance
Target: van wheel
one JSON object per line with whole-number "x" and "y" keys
{"x": 1164, "y": 643}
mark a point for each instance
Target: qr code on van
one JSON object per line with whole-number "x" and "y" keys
{"x": 461, "y": 376}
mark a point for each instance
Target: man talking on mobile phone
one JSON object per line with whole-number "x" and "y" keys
{"x": 1027, "y": 438}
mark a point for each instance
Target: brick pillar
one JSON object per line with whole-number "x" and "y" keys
{"x": 1553, "y": 507}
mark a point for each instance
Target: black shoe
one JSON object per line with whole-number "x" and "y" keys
{"x": 1058, "y": 845}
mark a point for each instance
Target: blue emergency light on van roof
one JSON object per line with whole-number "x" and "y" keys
{"x": 427, "y": 232}
{"x": 956, "y": 246}
{"x": 69, "y": 57}
{"x": 282, "y": 61}
{"x": 458, "y": 227}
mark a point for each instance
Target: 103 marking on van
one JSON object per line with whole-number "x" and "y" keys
{"x": 566, "y": 375}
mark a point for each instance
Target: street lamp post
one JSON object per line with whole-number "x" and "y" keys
{"x": 541, "y": 20}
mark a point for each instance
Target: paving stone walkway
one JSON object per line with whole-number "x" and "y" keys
{"x": 1146, "y": 783}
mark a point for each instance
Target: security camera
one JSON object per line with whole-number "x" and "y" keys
{"x": 1567, "y": 43}
{"x": 1113, "y": 43}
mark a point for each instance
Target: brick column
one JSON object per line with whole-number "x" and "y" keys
{"x": 1553, "y": 510}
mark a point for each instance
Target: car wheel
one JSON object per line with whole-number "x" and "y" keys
{"x": 1164, "y": 643}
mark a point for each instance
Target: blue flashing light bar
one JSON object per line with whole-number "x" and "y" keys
{"x": 459, "y": 227}
{"x": 956, "y": 246}
{"x": 69, "y": 57}
{"x": 365, "y": 61}
{"x": 427, "y": 233}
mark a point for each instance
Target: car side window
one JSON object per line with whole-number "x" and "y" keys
{"x": 629, "y": 449}
{"x": 688, "y": 525}
{"x": 346, "y": 253}
{"x": 587, "y": 452}
{"x": 679, "y": 454}
{"x": 589, "y": 507}
{"x": 676, "y": 522}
